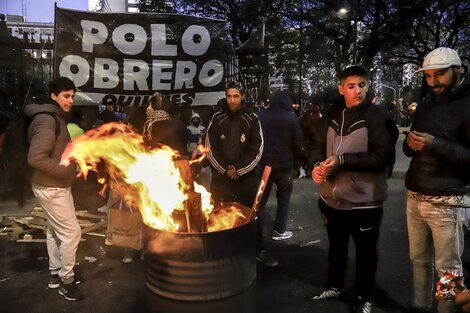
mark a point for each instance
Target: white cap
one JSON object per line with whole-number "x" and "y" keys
{"x": 442, "y": 57}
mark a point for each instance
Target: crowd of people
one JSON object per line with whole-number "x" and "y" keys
{"x": 349, "y": 153}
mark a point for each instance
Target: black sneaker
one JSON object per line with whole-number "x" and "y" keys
{"x": 362, "y": 306}
{"x": 54, "y": 282}
{"x": 70, "y": 292}
{"x": 266, "y": 258}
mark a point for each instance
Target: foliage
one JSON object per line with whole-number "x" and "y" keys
{"x": 310, "y": 41}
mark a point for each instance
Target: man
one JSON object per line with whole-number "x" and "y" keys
{"x": 234, "y": 144}
{"x": 283, "y": 142}
{"x": 437, "y": 179}
{"x": 195, "y": 131}
{"x": 352, "y": 150}
{"x": 51, "y": 184}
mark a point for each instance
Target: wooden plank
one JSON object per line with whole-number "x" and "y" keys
{"x": 96, "y": 226}
{"x": 96, "y": 234}
{"x": 85, "y": 214}
{"x": 32, "y": 240}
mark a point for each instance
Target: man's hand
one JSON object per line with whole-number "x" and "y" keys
{"x": 321, "y": 171}
{"x": 232, "y": 172}
{"x": 463, "y": 301}
{"x": 418, "y": 140}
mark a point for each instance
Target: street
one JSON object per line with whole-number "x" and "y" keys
{"x": 111, "y": 286}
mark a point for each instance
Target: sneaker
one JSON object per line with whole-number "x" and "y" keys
{"x": 363, "y": 306}
{"x": 331, "y": 293}
{"x": 281, "y": 236}
{"x": 128, "y": 256}
{"x": 266, "y": 258}
{"x": 70, "y": 292}
{"x": 54, "y": 282}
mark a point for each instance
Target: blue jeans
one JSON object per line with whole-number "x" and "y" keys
{"x": 284, "y": 182}
{"x": 439, "y": 228}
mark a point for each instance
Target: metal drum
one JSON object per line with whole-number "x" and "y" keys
{"x": 201, "y": 266}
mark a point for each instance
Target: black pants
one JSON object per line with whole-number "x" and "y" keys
{"x": 364, "y": 227}
{"x": 241, "y": 190}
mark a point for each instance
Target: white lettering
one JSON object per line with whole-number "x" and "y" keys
{"x": 184, "y": 75}
{"x": 130, "y": 38}
{"x": 212, "y": 73}
{"x": 159, "y": 45}
{"x": 106, "y": 73}
{"x": 93, "y": 33}
{"x": 76, "y": 68}
{"x": 199, "y": 33}
{"x": 136, "y": 72}
{"x": 158, "y": 75}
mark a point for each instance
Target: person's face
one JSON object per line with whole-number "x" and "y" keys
{"x": 441, "y": 80}
{"x": 196, "y": 121}
{"x": 354, "y": 90}
{"x": 234, "y": 99}
{"x": 64, "y": 99}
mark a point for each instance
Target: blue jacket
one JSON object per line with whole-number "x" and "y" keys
{"x": 282, "y": 134}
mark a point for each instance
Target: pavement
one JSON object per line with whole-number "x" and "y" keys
{"x": 111, "y": 286}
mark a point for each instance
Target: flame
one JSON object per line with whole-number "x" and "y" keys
{"x": 146, "y": 179}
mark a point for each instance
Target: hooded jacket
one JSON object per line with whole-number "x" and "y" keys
{"x": 194, "y": 133}
{"x": 234, "y": 138}
{"x": 282, "y": 134}
{"x": 363, "y": 137}
{"x": 442, "y": 168}
{"x": 45, "y": 149}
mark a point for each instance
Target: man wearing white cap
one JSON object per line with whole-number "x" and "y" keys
{"x": 437, "y": 180}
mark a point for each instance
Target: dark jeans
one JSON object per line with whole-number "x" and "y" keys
{"x": 284, "y": 182}
{"x": 364, "y": 227}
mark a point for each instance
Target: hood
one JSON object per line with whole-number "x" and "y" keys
{"x": 281, "y": 100}
{"x": 31, "y": 109}
{"x": 195, "y": 115}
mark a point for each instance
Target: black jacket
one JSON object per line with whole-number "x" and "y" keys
{"x": 363, "y": 138}
{"x": 282, "y": 134}
{"x": 234, "y": 138}
{"x": 444, "y": 167}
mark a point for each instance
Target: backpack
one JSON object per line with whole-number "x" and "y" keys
{"x": 16, "y": 142}
{"x": 15, "y": 154}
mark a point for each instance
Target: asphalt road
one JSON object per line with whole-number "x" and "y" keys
{"x": 110, "y": 286}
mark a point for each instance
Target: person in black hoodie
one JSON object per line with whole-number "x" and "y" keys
{"x": 234, "y": 145}
{"x": 352, "y": 150}
{"x": 437, "y": 181}
{"x": 283, "y": 143}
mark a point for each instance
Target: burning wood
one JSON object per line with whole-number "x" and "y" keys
{"x": 150, "y": 180}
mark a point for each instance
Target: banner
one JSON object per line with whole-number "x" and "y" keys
{"x": 123, "y": 58}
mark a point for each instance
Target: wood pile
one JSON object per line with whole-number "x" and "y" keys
{"x": 21, "y": 228}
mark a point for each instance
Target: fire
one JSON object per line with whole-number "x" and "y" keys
{"x": 146, "y": 179}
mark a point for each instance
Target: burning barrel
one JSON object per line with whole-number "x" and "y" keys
{"x": 201, "y": 266}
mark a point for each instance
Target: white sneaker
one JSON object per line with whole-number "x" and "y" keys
{"x": 281, "y": 236}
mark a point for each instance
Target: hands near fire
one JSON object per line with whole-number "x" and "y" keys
{"x": 322, "y": 170}
{"x": 232, "y": 172}
{"x": 418, "y": 140}
{"x": 463, "y": 301}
